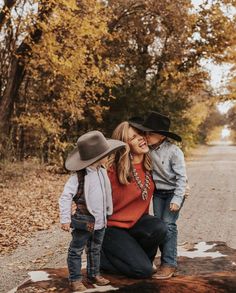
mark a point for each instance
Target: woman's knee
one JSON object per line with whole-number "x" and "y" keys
{"x": 142, "y": 272}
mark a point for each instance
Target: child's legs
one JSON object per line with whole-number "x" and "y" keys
{"x": 94, "y": 252}
{"x": 77, "y": 245}
{"x": 169, "y": 247}
{"x": 158, "y": 206}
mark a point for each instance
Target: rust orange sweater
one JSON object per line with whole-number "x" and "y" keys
{"x": 128, "y": 205}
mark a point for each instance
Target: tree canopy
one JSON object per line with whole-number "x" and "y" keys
{"x": 72, "y": 66}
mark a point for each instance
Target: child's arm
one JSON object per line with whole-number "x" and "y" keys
{"x": 65, "y": 201}
{"x": 178, "y": 166}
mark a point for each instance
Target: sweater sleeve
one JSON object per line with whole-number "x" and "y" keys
{"x": 65, "y": 201}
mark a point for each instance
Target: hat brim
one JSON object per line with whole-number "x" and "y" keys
{"x": 74, "y": 162}
{"x": 139, "y": 126}
{"x": 168, "y": 134}
{"x": 163, "y": 132}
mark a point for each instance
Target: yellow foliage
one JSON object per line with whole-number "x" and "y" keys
{"x": 214, "y": 135}
{"x": 197, "y": 114}
{"x": 72, "y": 64}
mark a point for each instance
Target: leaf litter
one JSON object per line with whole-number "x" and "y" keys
{"x": 28, "y": 202}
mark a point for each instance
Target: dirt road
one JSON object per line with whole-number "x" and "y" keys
{"x": 209, "y": 214}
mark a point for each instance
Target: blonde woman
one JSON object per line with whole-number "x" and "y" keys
{"x": 132, "y": 235}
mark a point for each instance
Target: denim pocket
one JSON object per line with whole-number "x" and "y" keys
{"x": 82, "y": 222}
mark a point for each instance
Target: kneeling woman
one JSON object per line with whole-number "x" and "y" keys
{"x": 132, "y": 236}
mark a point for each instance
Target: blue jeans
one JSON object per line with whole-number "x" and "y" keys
{"x": 80, "y": 240}
{"x": 161, "y": 208}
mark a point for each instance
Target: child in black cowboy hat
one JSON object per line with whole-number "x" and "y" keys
{"x": 169, "y": 175}
{"x": 90, "y": 189}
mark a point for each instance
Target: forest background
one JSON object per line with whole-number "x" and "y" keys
{"x": 67, "y": 67}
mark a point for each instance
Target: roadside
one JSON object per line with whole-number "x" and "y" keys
{"x": 208, "y": 214}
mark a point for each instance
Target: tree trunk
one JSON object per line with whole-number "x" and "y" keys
{"x": 7, "y": 101}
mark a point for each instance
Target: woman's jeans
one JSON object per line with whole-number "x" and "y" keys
{"x": 131, "y": 251}
{"x": 161, "y": 208}
{"x": 80, "y": 240}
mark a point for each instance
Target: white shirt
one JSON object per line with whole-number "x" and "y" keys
{"x": 97, "y": 193}
{"x": 96, "y": 196}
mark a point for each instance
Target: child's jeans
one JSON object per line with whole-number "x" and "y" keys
{"x": 80, "y": 240}
{"x": 161, "y": 208}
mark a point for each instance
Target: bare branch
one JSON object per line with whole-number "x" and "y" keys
{"x": 6, "y": 11}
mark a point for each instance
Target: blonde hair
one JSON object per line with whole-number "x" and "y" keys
{"x": 121, "y": 160}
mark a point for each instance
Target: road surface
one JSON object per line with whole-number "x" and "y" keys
{"x": 209, "y": 214}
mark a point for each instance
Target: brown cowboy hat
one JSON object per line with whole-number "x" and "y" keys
{"x": 90, "y": 148}
{"x": 155, "y": 122}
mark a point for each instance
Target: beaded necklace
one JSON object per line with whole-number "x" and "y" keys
{"x": 142, "y": 186}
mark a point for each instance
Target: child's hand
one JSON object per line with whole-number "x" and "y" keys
{"x": 174, "y": 207}
{"x": 65, "y": 227}
{"x": 187, "y": 191}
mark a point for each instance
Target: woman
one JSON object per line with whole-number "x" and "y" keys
{"x": 132, "y": 236}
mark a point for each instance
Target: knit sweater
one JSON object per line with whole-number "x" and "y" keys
{"x": 128, "y": 205}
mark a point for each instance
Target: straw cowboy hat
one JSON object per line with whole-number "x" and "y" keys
{"x": 90, "y": 148}
{"x": 155, "y": 122}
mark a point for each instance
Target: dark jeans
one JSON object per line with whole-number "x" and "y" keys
{"x": 131, "y": 251}
{"x": 81, "y": 239}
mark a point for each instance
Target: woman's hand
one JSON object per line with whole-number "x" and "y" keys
{"x": 174, "y": 207}
{"x": 65, "y": 227}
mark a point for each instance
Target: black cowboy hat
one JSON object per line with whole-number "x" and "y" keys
{"x": 155, "y": 122}
{"x": 137, "y": 122}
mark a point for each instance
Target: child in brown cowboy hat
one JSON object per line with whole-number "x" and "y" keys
{"x": 90, "y": 189}
{"x": 169, "y": 176}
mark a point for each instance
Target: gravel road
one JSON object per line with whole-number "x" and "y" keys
{"x": 209, "y": 214}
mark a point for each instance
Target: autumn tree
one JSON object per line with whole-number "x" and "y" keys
{"x": 18, "y": 27}
{"x": 163, "y": 44}
{"x": 231, "y": 121}
{"x": 71, "y": 66}
{"x": 68, "y": 71}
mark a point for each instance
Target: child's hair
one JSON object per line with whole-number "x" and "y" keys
{"x": 121, "y": 160}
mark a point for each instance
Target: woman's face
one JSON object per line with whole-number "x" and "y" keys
{"x": 137, "y": 142}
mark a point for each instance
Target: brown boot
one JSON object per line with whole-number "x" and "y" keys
{"x": 98, "y": 280}
{"x": 165, "y": 272}
{"x": 77, "y": 286}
